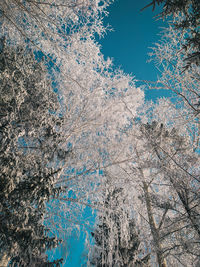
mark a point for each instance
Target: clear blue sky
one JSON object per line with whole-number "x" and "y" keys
{"x": 134, "y": 32}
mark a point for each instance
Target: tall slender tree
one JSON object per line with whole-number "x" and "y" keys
{"x": 161, "y": 177}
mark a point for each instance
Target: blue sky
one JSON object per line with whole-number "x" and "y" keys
{"x": 129, "y": 44}
{"x": 134, "y": 32}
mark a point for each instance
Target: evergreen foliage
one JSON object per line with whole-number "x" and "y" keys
{"x": 188, "y": 21}
{"x": 29, "y": 142}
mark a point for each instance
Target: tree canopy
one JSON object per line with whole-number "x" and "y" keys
{"x": 186, "y": 15}
{"x": 76, "y": 133}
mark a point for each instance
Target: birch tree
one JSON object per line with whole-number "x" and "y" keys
{"x": 177, "y": 164}
{"x": 161, "y": 179}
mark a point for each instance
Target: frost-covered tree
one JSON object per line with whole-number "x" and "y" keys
{"x": 30, "y": 139}
{"x": 161, "y": 178}
{"x": 50, "y": 25}
{"x": 187, "y": 23}
{"x": 116, "y": 239}
{"x": 63, "y": 33}
{"x": 63, "y": 97}
{"x": 183, "y": 85}
{"x": 177, "y": 163}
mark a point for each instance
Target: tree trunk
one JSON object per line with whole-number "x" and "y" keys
{"x": 154, "y": 230}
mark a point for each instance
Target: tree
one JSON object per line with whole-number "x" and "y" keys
{"x": 64, "y": 97}
{"x": 29, "y": 151}
{"x": 116, "y": 238}
{"x": 159, "y": 173}
{"x": 187, "y": 22}
{"x": 52, "y": 105}
{"x": 54, "y": 21}
{"x": 178, "y": 160}
{"x": 183, "y": 85}
{"x": 51, "y": 26}
{"x": 63, "y": 33}
{"x": 177, "y": 163}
